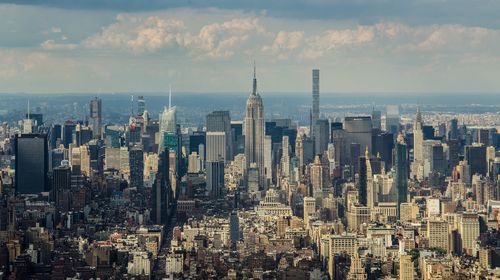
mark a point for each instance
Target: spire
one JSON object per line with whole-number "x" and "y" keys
{"x": 169, "y": 96}
{"x": 254, "y": 91}
{"x": 28, "y": 108}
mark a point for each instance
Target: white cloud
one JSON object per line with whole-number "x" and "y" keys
{"x": 154, "y": 33}
{"x": 317, "y": 46}
{"x": 284, "y": 43}
{"x": 14, "y": 63}
{"x": 53, "y": 45}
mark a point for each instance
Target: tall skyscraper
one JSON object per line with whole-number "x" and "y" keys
{"x": 418, "y": 138}
{"x": 254, "y": 132}
{"x": 168, "y": 121}
{"x": 61, "y": 183}
{"x": 96, "y": 117}
{"x": 161, "y": 193}
{"x": 358, "y": 131}
{"x": 376, "y": 119}
{"x": 141, "y": 105}
{"x": 401, "y": 166}
{"x": 321, "y": 136}
{"x": 315, "y": 102}
{"x": 216, "y": 146}
{"x": 220, "y": 121}
{"x": 136, "y": 162}
{"x": 215, "y": 178}
{"x": 31, "y": 164}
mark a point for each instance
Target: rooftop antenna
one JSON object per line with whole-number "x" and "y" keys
{"x": 169, "y": 96}
{"x": 28, "y": 109}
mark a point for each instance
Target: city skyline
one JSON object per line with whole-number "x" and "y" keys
{"x": 131, "y": 46}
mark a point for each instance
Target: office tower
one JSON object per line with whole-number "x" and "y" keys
{"x": 370, "y": 189}
{"x": 234, "y": 227}
{"x": 194, "y": 163}
{"x": 96, "y": 117}
{"x": 338, "y": 138}
{"x": 483, "y": 136}
{"x": 358, "y": 130}
{"x": 141, "y": 105}
{"x": 309, "y": 209}
{"x": 321, "y": 136}
{"x": 168, "y": 121}
{"x": 37, "y": 118}
{"x": 468, "y": 228}
{"x": 406, "y": 268}
{"x": 68, "y": 132}
{"x": 453, "y": 132}
{"x": 172, "y": 142}
{"x": 195, "y": 139}
{"x": 85, "y": 160}
{"x": 75, "y": 160}
{"x": 254, "y": 132}
{"x": 285, "y": 157}
{"x": 437, "y": 233}
{"x": 356, "y": 271}
{"x": 83, "y": 135}
{"x": 238, "y": 138}
{"x": 365, "y": 174}
{"x": 392, "y": 119}
{"x": 376, "y": 119}
{"x": 268, "y": 159}
{"x": 136, "y": 162}
{"x": 31, "y": 164}
{"x": 315, "y": 101}
{"x": 216, "y": 146}
{"x": 299, "y": 154}
{"x": 220, "y": 121}
{"x": 215, "y": 178}
{"x": 418, "y": 138}
{"x": 55, "y": 135}
{"x": 161, "y": 192}
{"x": 401, "y": 167}
{"x": 475, "y": 155}
{"x": 383, "y": 144}
{"x": 61, "y": 183}
{"x": 319, "y": 176}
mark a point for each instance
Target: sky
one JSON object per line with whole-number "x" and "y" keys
{"x": 381, "y": 46}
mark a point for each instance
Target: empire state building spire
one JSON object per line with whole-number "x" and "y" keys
{"x": 254, "y": 133}
{"x": 254, "y": 91}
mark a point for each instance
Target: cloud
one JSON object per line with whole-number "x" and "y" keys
{"x": 53, "y": 45}
{"x": 331, "y": 39}
{"x": 284, "y": 43}
{"x": 154, "y": 33}
{"x": 14, "y": 62}
{"x": 466, "y": 12}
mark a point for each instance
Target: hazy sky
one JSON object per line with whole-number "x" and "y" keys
{"x": 209, "y": 46}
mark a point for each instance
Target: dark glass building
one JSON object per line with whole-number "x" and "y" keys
{"x": 32, "y": 164}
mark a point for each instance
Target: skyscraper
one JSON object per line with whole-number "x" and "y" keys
{"x": 32, "y": 163}
{"x": 321, "y": 136}
{"x": 220, "y": 121}
{"x": 136, "y": 162}
{"x": 216, "y": 146}
{"x": 161, "y": 191}
{"x": 401, "y": 166}
{"x": 215, "y": 178}
{"x": 168, "y": 121}
{"x": 141, "y": 105}
{"x": 254, "y": 132}
{"x": 315, "y": 102}
{"x": 418, "y": 138}
{"x": 392, "y": 119}
{"x": 96, "y": 117}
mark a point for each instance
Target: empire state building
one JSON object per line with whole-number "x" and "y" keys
{"x": 254, "y": 132}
